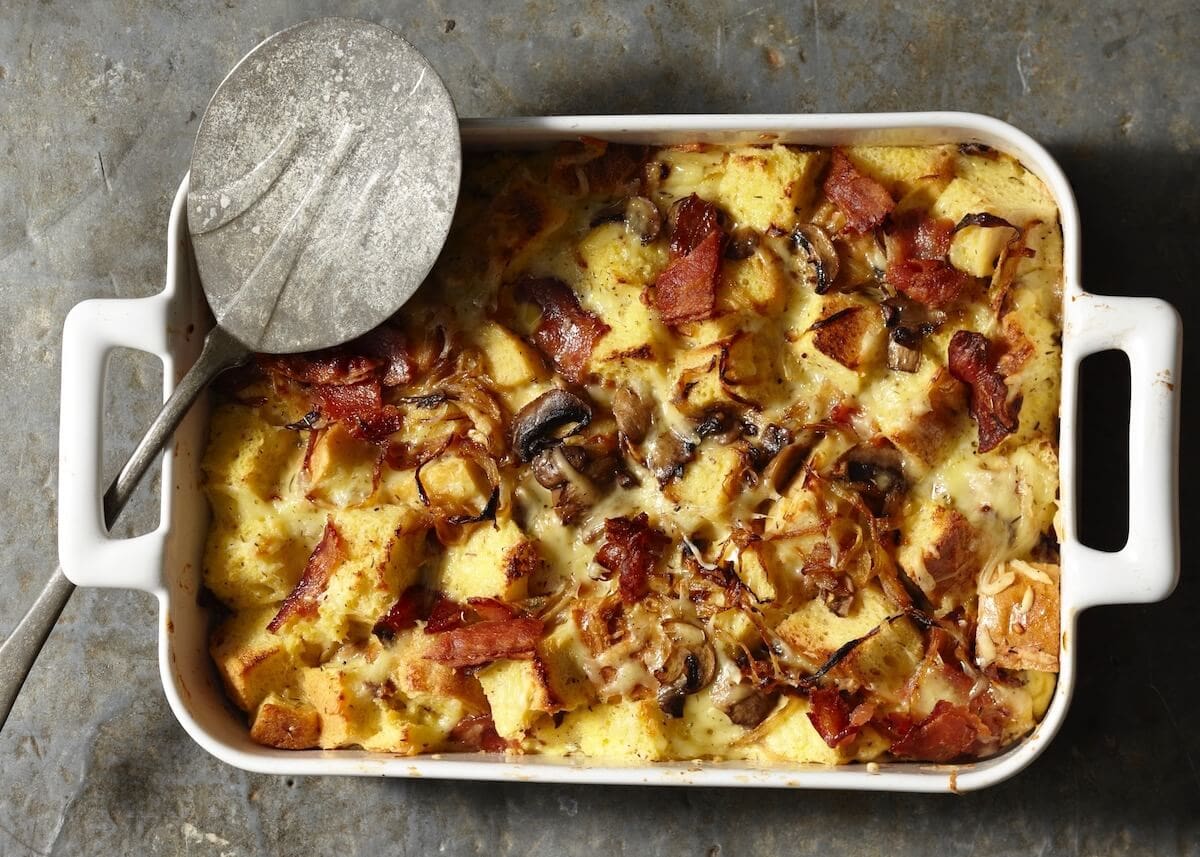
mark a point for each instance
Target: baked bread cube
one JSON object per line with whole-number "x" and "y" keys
{"x": 765, "y": 187}
{"x": 495, "y": 560}
{"x": 518, "y": 692}
{"x": 1019, "y": 617}
{"x": 252, "y": 661}
{"x": 510, "y": 361}
{"x": 285, "y": 724}
{"x": 901, "y": 169}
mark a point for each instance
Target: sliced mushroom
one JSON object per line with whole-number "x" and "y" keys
{"x": 743, "y": 241}
{"x": 548, "y": 466}
{"x": 742, "y": 703}
{"x": 816, "y": 249}
{"x": 786, "y": 465}
{"x": 876, "y": 472}
{"x": 720, "y": 426}
{"x": 640, "y": 215}
{"x": 667, "y": 456}
{"x": 902, "y": 358}
{"x": 908, "y": 324}
{"x": 774, "y": 438}
{"x": 632, "y": 414}
{"x": 560, "y": 470}
{"x": 752, "y": 709}
{"x": 690, "y": 667}
{"x": 547, "y": 420}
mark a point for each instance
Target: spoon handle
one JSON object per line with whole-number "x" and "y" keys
{"x": 20, "y": 649}
{"x": 221, "y": 351}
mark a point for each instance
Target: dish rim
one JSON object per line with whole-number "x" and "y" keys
{"x": 166, "y": 561}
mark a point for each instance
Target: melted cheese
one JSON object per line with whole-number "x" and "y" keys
{"x": 764, "y": 362}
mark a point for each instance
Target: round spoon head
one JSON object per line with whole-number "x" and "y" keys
{"x": 323, "y": 181}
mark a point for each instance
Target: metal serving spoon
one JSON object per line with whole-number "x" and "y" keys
{"x": 323, "y": 181}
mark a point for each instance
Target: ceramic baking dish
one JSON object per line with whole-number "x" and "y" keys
{"x": 167, "y": 561}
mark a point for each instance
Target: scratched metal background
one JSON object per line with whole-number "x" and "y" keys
{"x": 98, "y": 106}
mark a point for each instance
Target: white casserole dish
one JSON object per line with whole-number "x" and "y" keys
{"x": 167, "y": 561}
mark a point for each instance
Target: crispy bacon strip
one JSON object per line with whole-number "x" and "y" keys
{"x": 950, "y": 731}
{"x": 360, "y": 408}
{"x": 932, "y": 282}
{"x": 472, "y": 645}
{"x": 917, "y": 266}
{"x": 631, "y": 549}
{"x": 409, "y": 607}
{"x": 304, "y": 599}
{"x": 917, "y": 236}
{"x": 692, "y": 219}
{"x": 589, "y": 165}
{"x": 491, "y": 608}
{"x": 969, "y": 361}
{"x": 864, "y": 201}
{"x": 388, "y": 346}
{"x": 478, "y": 732}
{"x": 686, "y": 290}
{"x": 567, "y": 333}
{"x": 445, "y": 615}
{"x": 830, "y": 716}
{"x": 338, "y": 365}
{"x": 833, "y": 718}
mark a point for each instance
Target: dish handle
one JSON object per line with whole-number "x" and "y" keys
{"x": 89, "y": 554}
{"x": 1149, "y": 332}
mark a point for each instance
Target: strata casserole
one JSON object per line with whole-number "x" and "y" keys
{"x": 694, "y": 452}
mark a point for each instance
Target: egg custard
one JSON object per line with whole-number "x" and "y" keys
{"x": 697, "y": 452}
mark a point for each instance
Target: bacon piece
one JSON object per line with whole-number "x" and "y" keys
{"x": 338, "y": 365}
{"x": 478, "y": 732}
{"x": 491, "y": 608}
{"x": 686, "y": 290}
{"x": 618, "y": 169}
{"x": 388, "y": 346}
{"x": 412, "y": 604}
{"x": 933, "y": 236}
{"x": 692, "y": 219}
{"x": 594, "y": 166}
{"x": 918, "y": 236}
{"x": 631, "y": 549}
{"x": 472, "y": 645}
{"x": 864, "y": 201}
{"x": 360, "y": 408}
{"x": 833, "y": 718}
{"x": 567, "y": 333}
{"x": 928, "y": 281}
{"x": 969, "y": 361}
{"x": 950, "y": 731}
{"x": 830, "y": 716}
{"x": 917, "y": 267}
{"x": 304, "y": 599}
{"x": 445, "y": 615}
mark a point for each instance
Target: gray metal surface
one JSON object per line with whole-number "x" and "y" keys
{"x": 98, "y": 105}
{"x": 330, "y": 145}
{"x": 323, "y": 182}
